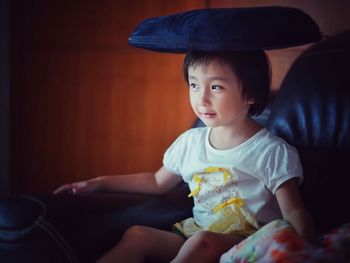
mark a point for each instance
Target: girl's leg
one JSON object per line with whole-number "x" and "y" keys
{"x": 141, "y": 243}
{"x": 206, "y": 247}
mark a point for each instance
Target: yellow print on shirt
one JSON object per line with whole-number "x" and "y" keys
{"x": 198, "y": 178}
{"x": 228, "y": 215}
{"x": 232, "y": 217}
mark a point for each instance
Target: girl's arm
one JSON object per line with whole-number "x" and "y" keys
{"x": 147, "y": 183}
{"x": 293, "y": 209}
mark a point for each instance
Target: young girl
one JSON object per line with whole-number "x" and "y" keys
{"x": 240, "y": 175}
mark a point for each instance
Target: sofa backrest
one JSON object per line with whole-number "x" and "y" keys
{"x": 312, "y": 112}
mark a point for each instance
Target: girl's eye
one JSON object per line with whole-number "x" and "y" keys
{"x": 194, "y": 86}
{"x": 216, "y": 87}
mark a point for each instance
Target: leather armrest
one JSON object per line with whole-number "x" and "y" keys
{"x": 80, "y": 228}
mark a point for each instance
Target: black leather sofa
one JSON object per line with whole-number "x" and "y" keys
{"x": 311, "y": 111}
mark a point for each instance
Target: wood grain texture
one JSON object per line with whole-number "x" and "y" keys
{"x": 85, "y": 103}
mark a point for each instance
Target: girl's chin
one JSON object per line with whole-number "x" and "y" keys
{"x": 214, "y": 123}
{"x": 208, "y": 123}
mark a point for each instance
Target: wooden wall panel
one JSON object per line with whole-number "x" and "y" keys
{"x": 85, "y": 103}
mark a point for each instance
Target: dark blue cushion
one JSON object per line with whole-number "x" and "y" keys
{"x": 226, "y": 29}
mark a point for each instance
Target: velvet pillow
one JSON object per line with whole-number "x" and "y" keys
{"x": 222, "y": 29}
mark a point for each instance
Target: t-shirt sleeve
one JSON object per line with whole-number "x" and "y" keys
{"x": 173, "y": 157}
{"x": 282, "y": 164}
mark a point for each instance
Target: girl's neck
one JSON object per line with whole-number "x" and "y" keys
{"x": 223, "y": 137}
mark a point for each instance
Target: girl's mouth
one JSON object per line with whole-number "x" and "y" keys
{"x": 208, "y": 114}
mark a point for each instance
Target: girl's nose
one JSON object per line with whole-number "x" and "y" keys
{"x": 203, "y": 97}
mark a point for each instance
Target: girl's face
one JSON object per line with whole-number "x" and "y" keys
{"x": 216, "y": 96}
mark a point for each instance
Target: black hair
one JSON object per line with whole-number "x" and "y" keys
{"x": 251, "y": 67}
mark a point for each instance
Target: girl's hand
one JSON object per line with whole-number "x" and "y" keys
{"x": 89, "y": 186}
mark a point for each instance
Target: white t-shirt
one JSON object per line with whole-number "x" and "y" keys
{"x": 244, "y": 178}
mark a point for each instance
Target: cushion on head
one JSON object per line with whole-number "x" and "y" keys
{"x": 223, "y": 29}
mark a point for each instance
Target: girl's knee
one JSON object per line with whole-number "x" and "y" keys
{"x": 136, "y": 232}
{"x": 141, "y": 236}
{"x": 203, "y": 239}
{"x": 131, "y": 245}
{"x": 135, "y": 236}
